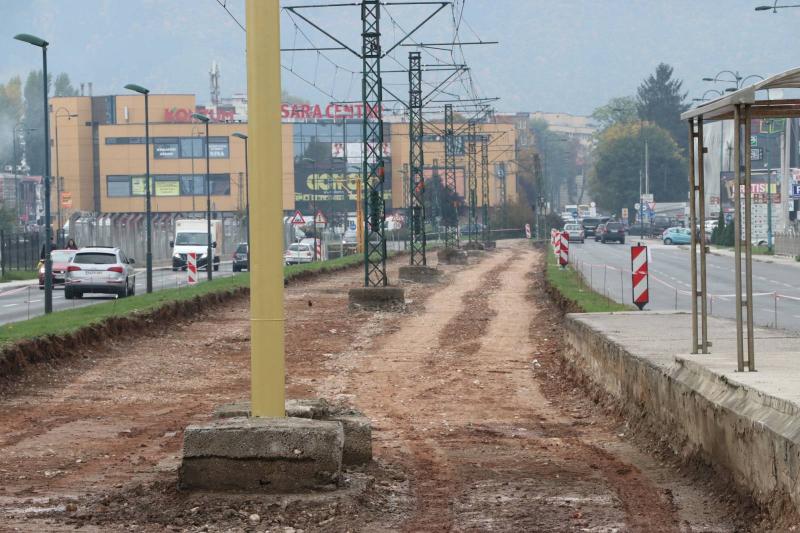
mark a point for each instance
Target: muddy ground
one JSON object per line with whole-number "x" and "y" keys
{"x": 476, "y": 425}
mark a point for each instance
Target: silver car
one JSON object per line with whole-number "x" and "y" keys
{"x": 100, "y": 270}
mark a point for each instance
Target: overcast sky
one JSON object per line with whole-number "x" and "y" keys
{"x": 556, "y": 55}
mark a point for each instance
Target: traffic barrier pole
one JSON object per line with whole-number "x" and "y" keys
{"x": 563, "y": 257}
{"x": 605, "y": 275}
{"x": 621, "y": 286}
{"x": 639, "y": 278}
{"x": 191, "y": 268}
{"x": 776, "y": 310}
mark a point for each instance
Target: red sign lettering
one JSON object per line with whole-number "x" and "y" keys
{"x": 329, "y": 111}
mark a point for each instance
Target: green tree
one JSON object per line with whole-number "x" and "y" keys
{"x": 620, "y": 109}
{"x": 615, "y": 179}
{"x": 661, "y": 100}
{"x": 34, "y": 120}
{"x": 10, "y": 113}
{"x": 63, "y": 87}
{"x": 559, "y": 156}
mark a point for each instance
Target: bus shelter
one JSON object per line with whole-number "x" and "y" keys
{"x": 740, "y": 106}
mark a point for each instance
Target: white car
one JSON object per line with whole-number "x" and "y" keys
{"x": 575, "y": 232}
{"x": 100, "y": 270}
{"x": 298, "y": 253}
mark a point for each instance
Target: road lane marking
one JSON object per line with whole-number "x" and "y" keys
{"x": 10, "y": 305}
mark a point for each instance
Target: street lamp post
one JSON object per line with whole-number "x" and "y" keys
{"x": 209, "y": 262}
{"x": 243, "y": 137}
{"x": 775, "y": 7}
{"x": 59, "y": 179}
{"x": 148, "y": 209}
{"x": 48, "y": 262}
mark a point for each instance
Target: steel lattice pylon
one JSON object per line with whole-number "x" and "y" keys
{"x": 485, "y": 187}
{"x": 472, "y": 179}
{"x": 373, "y": 164}
{"x": 450, "y": 213}
{"x": 416, "y": 179}
{"x": 501, "y": 175}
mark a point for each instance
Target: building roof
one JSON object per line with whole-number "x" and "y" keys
{"x": 722, "y": 107}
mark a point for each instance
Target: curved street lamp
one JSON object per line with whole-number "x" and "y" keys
{"x": 774, "y": 7}
{"x": 48, "y": 262}
{"x": 148, "y": 209}
{"x": 703, "y": 98}
{"x": 209, "y": 263}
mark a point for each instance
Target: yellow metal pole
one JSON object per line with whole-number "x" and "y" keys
{"x": 266, "y": 274}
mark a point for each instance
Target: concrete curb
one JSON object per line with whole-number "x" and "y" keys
{"x": 751, "y": 436}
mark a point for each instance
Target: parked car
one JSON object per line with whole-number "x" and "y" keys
{"x": 298, "y": 253}
{"x": 474, "y": 229}
{"x": 598, "y": 232}
{"x": 100, "y": 270}
{"x": 240, "y": 261}
{"x": 575, "y": 232}
{"x": 61, "y": 259}
{"x": 613, "y": 231}
{"x": 677, "y": 236}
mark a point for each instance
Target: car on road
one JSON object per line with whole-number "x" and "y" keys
{"x": 590, "y": 224}
{"x": 60, "y": 259}
{"x": 575, "y": 232}
{"x": 240, "y": 260}
{"x": 100, "y": 269}
{"x": 612, "y": 231}
{"x": 298, "y": 253}
{"x": 676, "y": 235}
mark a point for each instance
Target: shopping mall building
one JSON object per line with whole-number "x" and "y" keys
{"x": 98, "y": 153}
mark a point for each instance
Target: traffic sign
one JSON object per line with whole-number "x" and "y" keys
{"x": 647, "y": 198}
{"x": 624, "y": 213}
{"x": 753, "y": 140}
{"x": 298, "y": 219}
{"x": 320, "y": 218}
{"x": 795, "y": 191}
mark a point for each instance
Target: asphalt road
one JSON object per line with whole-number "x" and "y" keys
{"x": 25, "y": 302}
{"x": 607, "y": 268}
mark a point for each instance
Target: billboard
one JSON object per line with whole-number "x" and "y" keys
{"x": 333, "y": 186}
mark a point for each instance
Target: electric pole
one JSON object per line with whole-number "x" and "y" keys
{"x": 485, "y": 186}
{"x": 450, "y": 213}
{"x": 472, "y": 180}
{"x": 417, "y": 161}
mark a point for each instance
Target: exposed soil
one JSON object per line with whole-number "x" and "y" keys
{"x": 476, "y": 425}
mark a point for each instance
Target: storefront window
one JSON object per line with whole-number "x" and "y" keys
{"x": 118, "y": 186}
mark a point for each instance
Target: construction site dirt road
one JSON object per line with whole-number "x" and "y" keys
{"x": 476, "y": 423}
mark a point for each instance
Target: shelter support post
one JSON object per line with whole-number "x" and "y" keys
{"x": 737, "y": 231}
{"x": 701, "y": 207}
{"x": 748, "y": 239}
{"x": 692, "y": 224}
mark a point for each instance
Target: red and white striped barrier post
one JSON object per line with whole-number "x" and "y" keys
{"x": 640, "y": 283}
{"x": 556, "y": 243}
{"x": 319, "y": 250}
{"x": 191, "y": 268}
{"x": 563, "y": 256}
{"x": 527, "y": 231}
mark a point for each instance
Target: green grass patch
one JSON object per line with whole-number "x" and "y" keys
{"x": 18, "y": 275}
{"x": 569, "y": 284}
{"x": 70, "y": 320}
{"x": 756, "y": 250}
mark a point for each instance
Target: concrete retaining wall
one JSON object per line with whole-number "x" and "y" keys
{"x": 741, "y": 431}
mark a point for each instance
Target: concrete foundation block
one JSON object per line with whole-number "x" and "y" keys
{"x": 473, "y": 245}
{"x": 387, "y": 298}
{"x": 420, "y": 274}
{"x": 261, "y": 454}
{"x": 357, "y": 438}
{"x": 357, "y": 447}
{"x": 489, "y": 245}
{"x": 476, "y": 253}
{"x": 451, "y": 256}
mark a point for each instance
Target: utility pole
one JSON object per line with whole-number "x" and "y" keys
{"x": 485, "y": 187}
{"x": 472, "y": 179}
{"x": 416, "y": 159}
{"x": 450, "y": 222}
{"x": 373, "y": 164}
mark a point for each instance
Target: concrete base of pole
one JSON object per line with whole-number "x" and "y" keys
{"x": 386, "y": 298}
{"x": 477, "y": 254}
{"x": 357, "y": 446}
{"x": 489, "y": 245}
{"x": 262, "y": 454}
{"x": 474, "y": 245}
{"x": 420, "y": 274}
{"x": 451, "y": 256}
